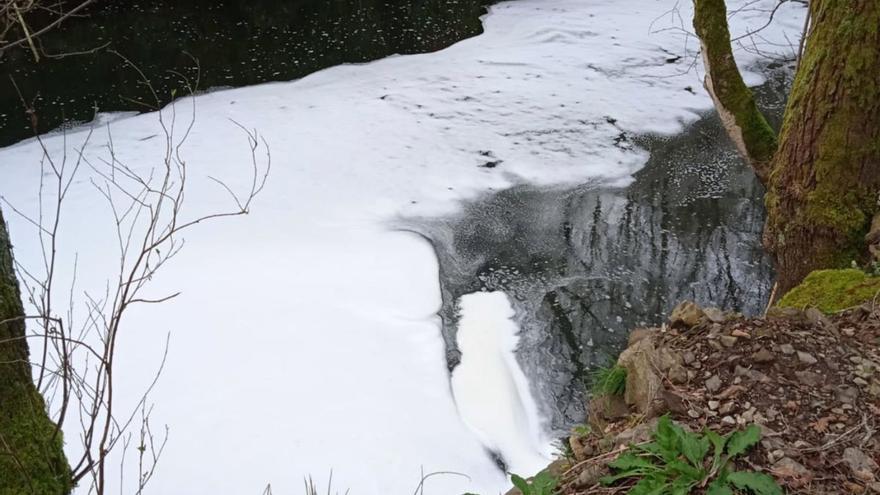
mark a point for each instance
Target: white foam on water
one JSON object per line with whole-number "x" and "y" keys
{"x": 489, "y": 387}
{"x": 306, "y": 337}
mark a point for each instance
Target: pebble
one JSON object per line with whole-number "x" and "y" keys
{"x": 713, "y": 384}
{"x": 728, "y": 420}
{"x": 714, "y": 404}
{"x": 806, "y": 358}
{"x": 728, "y": 340}
{"x": 763, "y": 356}
{"x": 726, "y": 408}
{"x": 862, "y": 466}
{"x": 787, "y": 349}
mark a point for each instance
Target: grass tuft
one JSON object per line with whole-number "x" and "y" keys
{"x": 609, "y": 381}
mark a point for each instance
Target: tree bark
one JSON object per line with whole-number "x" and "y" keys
{"x": 32, "y": 458}
{"x": 823, "y": 178}
{"x": 823, "y": 189}
{"x": 747, "y": 127}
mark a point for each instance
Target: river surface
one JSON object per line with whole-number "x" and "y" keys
{"x": 449, "y": 241}
{"x": 217, "y": 43}
{"x": 586, "y": 264}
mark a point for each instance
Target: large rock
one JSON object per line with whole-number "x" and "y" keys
{"x": 643, "y": 384}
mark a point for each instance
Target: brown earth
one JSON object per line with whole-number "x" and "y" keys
{"x": 810, "y": 381}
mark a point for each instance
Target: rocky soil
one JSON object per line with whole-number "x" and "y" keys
{"x": 811, "y": 382}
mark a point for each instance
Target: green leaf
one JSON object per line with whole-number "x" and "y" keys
{"x": 629, "y": 461}
{"x": 686, "y": 471}
{"x": 667, "y": 438}
{"x": 757, "y": 483}
{"x": 652, "y": 485}
{"x": 718, "y": 443}
{"x": 742, "y": 441}
{"x": 521, "y": 484}
{"x": 693, "y": 447}
{"x": 718, "y": 487}
{"x": 544, "y": 482}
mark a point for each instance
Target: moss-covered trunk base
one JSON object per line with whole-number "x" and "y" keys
{"x": 825, "y": 180}
{"x": 32, "y": 458}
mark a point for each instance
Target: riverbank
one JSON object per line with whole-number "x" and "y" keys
{"x": 806, "y": 379}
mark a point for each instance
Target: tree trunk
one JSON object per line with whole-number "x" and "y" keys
{"x": 823, "y": 179}
{"x": 747, "y": 127}
{"x": 32, "y": 458}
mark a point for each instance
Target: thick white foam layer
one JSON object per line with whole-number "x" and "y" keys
{"x": 490, "y": 389}
{"x": 306, "y": 337}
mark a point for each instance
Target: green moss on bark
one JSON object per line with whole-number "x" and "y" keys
{"x": 825, "y": 180}
{"x": 731, "y": 92}
{"x": 832, "y": 290}
{"x": 32, "y": 458}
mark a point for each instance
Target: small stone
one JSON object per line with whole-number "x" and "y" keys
{"x": 687, "y": 314}
{"x": 728, "y": 420}
{"x": 849, "y": 331}
{"x": 776, "y": 455}
{"x": 726, "y": 408}
{"x": 862, "y": 466}
{"x": 860, "y": 381}
{"x": 763, "y": 356}
{"x": 713, "y": 384}
{"x": 714, "y": 404}
{"x": 806, "y": 358}
{"x": 693, "y": 413}
{"x": 591, "y": 474}
{"x": 714, "y": 315}
{"x": 677, "y": 375}
{"x": 739, "y": 333}
{"x": 786, "y": 349}
{"x": 817, "y": 318}
{"x": 809, "y": 378}
{"x": 790, "y": 468}
{"x": 727, "y": 340}
{"x": 688, "y": 357}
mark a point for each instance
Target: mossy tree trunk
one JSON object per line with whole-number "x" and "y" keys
{"x": 32, "y": 458}
{"x": 823, "y": 178}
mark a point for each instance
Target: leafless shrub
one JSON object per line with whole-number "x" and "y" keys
{"x": 77, "y": 356}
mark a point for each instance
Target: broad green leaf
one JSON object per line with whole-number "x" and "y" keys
{"x": 718, "y": 487}
{"x": 718, "y": 443}
{"x": 741, "y": 441}
{"x": 521, "y": 484}
{"x": 629, "y": 461}
{"x": 685, "y": 471}
{"x": 683, "y": 486}
{"x": 652, "y": 485}
{"x": 693, "y": 447}
{"x": 757, "y": 483}
{"x": 544, "y": 482}
{"x": 667, "y": 438}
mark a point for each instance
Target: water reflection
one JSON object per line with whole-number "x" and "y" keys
{"x": 237, "y": 43}
{"x": 584, "y": 265}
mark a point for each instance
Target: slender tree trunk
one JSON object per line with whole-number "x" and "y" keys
{"x": 32, "y": 458}
{"x": 823, "y": 179}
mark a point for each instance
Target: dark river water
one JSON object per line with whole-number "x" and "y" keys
{"x": 586, "y": 264}
{"x": 582, "y": 265}
{"x": 235, "y": 43}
